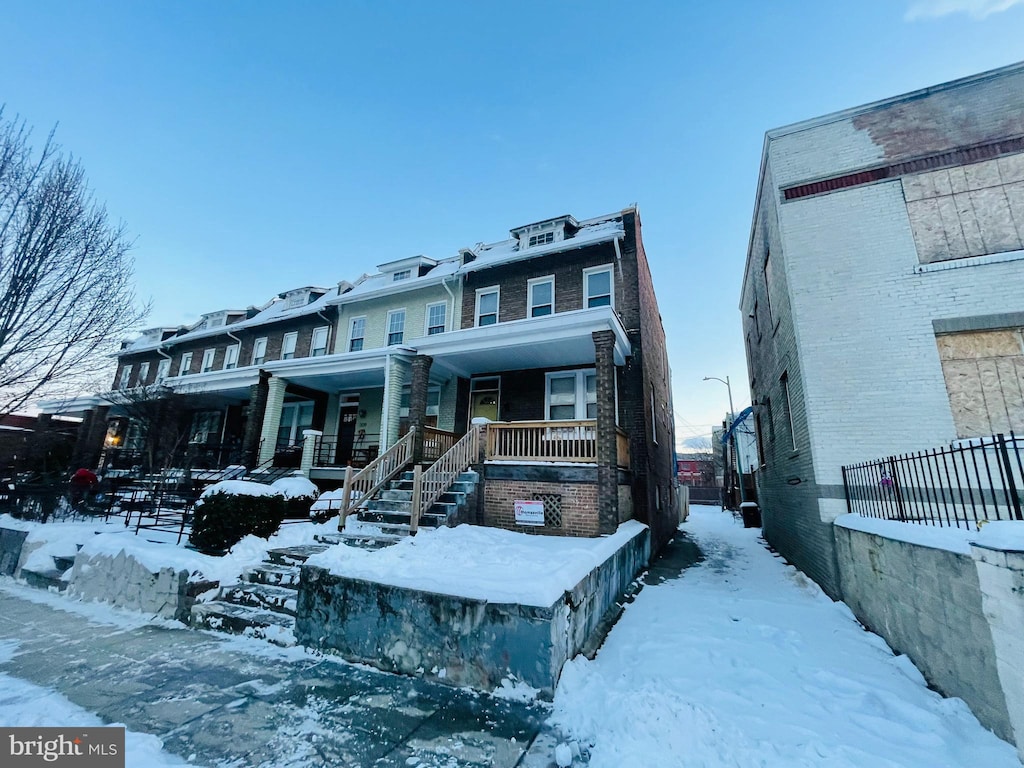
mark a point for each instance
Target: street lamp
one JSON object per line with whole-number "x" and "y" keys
{"x": 732, "y": 432}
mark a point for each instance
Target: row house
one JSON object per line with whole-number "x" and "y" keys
{"x": 552, "y": 337}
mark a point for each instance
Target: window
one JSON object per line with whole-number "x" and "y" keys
{"x": 768, "y": 284}
{"x": 571, "y": 395}
{"x": 433, "y": 401}
{"x": 787, "y": 409}
{"x": 288, "y": 345}
{"x": 318, "y": 345}
{"x": 185, "y": 364}
{"x": 487, "y": 306}
{"x": 436, "y": 318}
{"x": 143, "y": 373}
{"x": 405, "y": 274}
{"x": 654, "y": 418}
{"x": 205, "y": 427}
{"x": 597, "y": 287}
{"x": 231, "y": 357}
{"x": 126, "y": 376}
{"x": 295, "y": 418}
{"x": 208, "y": 356}
{"x": 542, "y": 239}
{"x": 541, "y": 296}
{"x": 163, "y": 369}
{"x": 356, "y": 332}
{"x": 396, "y": 326}
{"x": 259, "y": 351}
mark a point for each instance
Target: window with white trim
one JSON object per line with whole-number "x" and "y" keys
{"x": 259, "y": 351}
{"x": 436, "y": 317}
{"x": 296, "y": 417}
{"x": 208, "y": 356}
{"x": 570, "y": 395}
{"x": 143, "y": 373}
{"x": 487, "y": 300}
{"x": 231, "y": 357}
{"x": 163, "y": 369}
{"x": 542, "y": 239}
{"x": 396, "y": 326}
{"x": 356, "y": 334}
{"x": 318, "y": 344}
{"x": 288, "y": 345}
{"x": 597, "y": 287}
{"x": 185, "y": 364}
{"x": 405, "y": 274}
{"x": 541, "y": 296}
{"x": 433, "y": 400}
{"x": 126, "y": 376}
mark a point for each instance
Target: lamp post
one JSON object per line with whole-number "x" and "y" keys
{"x": 732, "y": 433}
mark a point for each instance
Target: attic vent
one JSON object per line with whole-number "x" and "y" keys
{"x": 405, "y": 274}
{"x": 542, "y": 239}
{"x": 296, "y": 300}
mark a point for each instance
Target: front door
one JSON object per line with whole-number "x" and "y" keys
{"x": 483, "y": 397}
{"x": 346, "y": 432}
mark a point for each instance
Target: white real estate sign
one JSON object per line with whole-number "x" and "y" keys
{"x": 529, "y": 512}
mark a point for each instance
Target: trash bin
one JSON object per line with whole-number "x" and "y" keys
{"x": 751, "y": 514}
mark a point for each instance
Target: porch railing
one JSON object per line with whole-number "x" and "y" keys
{"x": 574, "y": 441}
{"x": 429, "y": 485}
{"x": 360, "y": 486}
{"x": 437, "y": 442}
{"x": 363, "y": 450}
{"x": 980, "y": 479}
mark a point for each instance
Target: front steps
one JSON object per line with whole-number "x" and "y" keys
{"x": 263, "y": 605}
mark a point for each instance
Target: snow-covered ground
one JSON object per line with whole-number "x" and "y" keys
{"x": 743, "y": 661}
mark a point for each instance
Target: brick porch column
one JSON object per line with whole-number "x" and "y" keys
{"x": 418, "y": 401}
{"x": 607, "y": 452}
{"x": 254, "y": 418}
{"x": 271, "y": 418}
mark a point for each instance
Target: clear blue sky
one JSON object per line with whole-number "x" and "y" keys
{"x": 252, "y": 147}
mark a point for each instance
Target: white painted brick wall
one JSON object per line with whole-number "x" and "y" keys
{"x": 826, "y": 150}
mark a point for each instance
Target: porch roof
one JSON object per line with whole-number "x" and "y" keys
{"x": 556, "y": 340}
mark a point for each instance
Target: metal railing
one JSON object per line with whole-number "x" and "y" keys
{"x": 428, "y": 486}
{"x": 979, "y": 479}
{"x": 360, "y": 486}
{"x": 573, "y": 441}
{"x": 329, "y": 451}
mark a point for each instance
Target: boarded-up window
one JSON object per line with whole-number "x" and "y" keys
{"x": 970, "y": 210}
{"x": 984, "y": 373}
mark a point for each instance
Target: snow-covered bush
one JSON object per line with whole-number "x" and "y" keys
{"x": 226, "y": 514}
{"x": 299, "y": 493}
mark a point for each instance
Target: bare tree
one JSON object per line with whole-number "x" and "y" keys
{"x": 66, "y": 295}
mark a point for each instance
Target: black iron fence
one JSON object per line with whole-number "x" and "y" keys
{"x": 958, "y": 486}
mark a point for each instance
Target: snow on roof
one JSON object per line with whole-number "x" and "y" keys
{"x": 507, "y": 251}
{"x": 381, "y": 284}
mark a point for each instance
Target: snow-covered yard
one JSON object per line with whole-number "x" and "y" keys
{"x": 743, "y": 661}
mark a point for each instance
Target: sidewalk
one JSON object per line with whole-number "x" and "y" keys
{"x": 243, "y": 703}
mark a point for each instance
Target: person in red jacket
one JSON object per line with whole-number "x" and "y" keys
{"x": 82, "y": 484}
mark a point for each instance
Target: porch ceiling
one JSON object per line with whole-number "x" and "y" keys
{"x": 543, "y": 342}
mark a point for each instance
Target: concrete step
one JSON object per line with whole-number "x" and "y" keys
{"x": 264, "y": 596}
{"x": 389, "y": 517}
{"x": 368, "y": 541}
{"x": 384, "y": 505}
{"x": 278, "y": 628}
{"x": 396, "y": 495}
{"x": 49, "y": 579}
{"x": 294, "y": 555}
{"x": 274, "y": 574}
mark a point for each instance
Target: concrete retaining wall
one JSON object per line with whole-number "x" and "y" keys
{"x": 11, "y": 542}
{"x": 123, "y": 581}
{"x": 928, "y": 603}
{"x": 456, "y": 640}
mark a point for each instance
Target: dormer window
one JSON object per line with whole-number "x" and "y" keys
{"x": 405, "y": 274}
{"x": 296, "y": 300}
{"x": 542, "y": 239}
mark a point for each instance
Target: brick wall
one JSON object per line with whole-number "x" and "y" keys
{"x": 579, "y": 506}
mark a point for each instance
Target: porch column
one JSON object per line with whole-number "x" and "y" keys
{"x": 81, "y": 449}
{"x": 418, "y": 401}
{"x": 254, "y": 418}
{"x": 396, "y": 376}
{"x": 94, "y": 441}
{"x": 309, "y": 439}
{"x": 607, "y": 458}
{"x": 271, "y": 418}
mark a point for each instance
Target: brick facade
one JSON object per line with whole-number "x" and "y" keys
{"x": 579, "y": 502}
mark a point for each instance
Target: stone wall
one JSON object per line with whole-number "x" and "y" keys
{"x": 456, "y": 640}
{"x": 11, "y": 542}
{"x": 123, "y": 581}
{"x": 928, "y": 604}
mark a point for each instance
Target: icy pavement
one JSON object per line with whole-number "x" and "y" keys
{"x": 743, "y": 661}
{"x": 236, "y": 702}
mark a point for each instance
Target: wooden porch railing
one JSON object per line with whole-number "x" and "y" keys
{"x": 622, "y": 447}
{"x": 542, "y": 441}
{"x": 436, "y": 443}
{"x": 428, "y": 486}
{"x": 360, "y": 486}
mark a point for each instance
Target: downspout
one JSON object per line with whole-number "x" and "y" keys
{"x": 618, "y": 254}
{"x": 165, "y": 356}
{"x": 239, "y": 342}
{"x": 330, "y": 324}
{"x": 444, "y": 283}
